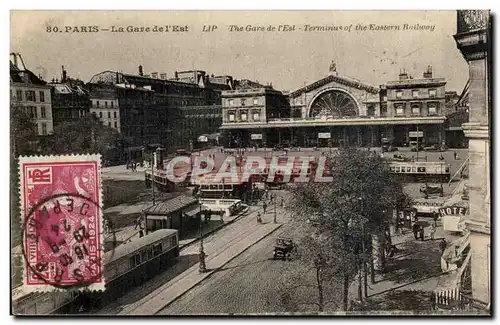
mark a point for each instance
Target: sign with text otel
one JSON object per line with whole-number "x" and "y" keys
{"x": 453, "y": 211}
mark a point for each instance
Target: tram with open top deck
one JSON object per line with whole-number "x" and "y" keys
{"x": 421, "y": 171}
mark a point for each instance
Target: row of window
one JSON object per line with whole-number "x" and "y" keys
{"x": 416, "y": 93}
{"x": 432, "y": 109}
{"x": 97, "y": 103}
{"x": 29, "y": 95}
{"x": 109, "y": 115}
{"x": 151, "y": 252}
{"x": 243, "y": 102}
{"x": 243, "y": 116}
{"x": 32, "y": 111}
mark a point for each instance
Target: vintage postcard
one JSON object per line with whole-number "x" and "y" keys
{"x": 250, "y": 162}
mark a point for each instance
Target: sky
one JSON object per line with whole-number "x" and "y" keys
{"x": 288, "y": 60}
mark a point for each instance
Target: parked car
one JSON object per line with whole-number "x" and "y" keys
{"x": 431, "y": 190}
{"x": 413, "y": 146}
{"x": 433, "y": 147}
{"x": 283, "y": 249}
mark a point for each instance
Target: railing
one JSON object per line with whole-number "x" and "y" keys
{"x": 472, "y": 20}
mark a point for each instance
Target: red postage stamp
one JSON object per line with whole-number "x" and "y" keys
{"x": 61, "y": 200}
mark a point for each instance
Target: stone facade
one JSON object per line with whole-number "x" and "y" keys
{"x": 474, "y": 30}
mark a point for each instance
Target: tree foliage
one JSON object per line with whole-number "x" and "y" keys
{"x": 347, "y": 210}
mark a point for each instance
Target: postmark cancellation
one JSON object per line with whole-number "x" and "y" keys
{"x": 61, "y": 216}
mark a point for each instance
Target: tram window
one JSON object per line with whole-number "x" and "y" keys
{"x": 447, "y": 170}
{"x": 157, "y": 249}
{"x": 392, "y": 169}
{"x": 414, "y": 169}
{"x": 421, "y": 169}
{"x": 150, "y": 253}
{"x": 144, "y": 255}
{"x": 398, "y": 170}
{"x": 214, "y": 187}
{"x": 228, "y": 187}
{"x": 135, "y": 260}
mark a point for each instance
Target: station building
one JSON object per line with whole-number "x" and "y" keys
{"x": 337, "y": 111}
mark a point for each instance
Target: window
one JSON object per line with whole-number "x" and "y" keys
{"x": 109, "y": 114}
{"x": 157, "y": 249}
{"x": 112, "y": 104}
{"x": 116, "y": 125}
{"x": 243, "y": 116}
{"x": 100, "y": 114}
{"x": 231, "y": 102}
{"x": 32, "y": 111}
{"x": 256, "y": 101}
{"x": 370, "y": 110}
{"x": 30, "y": 96}
{"x": 421, "y": 169}
{"x": 400, "y": 110}
{"x": 432, "y": 109}
{"x": 97, "y": 103}
{"x": 135, "y": 260}
{"x": 415, "y": 93}
{"x": 243, "y": 101}
{"x": 432, "y": 92}
{"x": 231, "y": 116}
{"x": 106, "y": 104}
{"x": 42, "y": 96}
{"x": 256, "y": 116}
{"x": 114, "y": 113}
{"x": 44, "y": 128}
{"x": 399, "y": 93}
{"x": 109, "y": 124}
{"x": 19, "y": 95}
{"x": 42, "y": 112}
{"x": 415, "y": 110}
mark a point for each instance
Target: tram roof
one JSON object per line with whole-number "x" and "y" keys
{"x": 417, "y": 163}
{"x": 135, "y": 245}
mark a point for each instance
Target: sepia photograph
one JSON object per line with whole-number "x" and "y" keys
{"x": 250, "y": 163}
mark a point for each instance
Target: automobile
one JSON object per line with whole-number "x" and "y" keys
{"x": 401, "y": 157}
{"x": 413, "y": 146}
{"x": 387, "y": 146}
{"x": 283, "y": 249}
{"x": 433, "y": 147}
{"x": 431, "y": 189}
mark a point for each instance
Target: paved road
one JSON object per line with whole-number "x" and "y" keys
{"x": 245, "y": 285}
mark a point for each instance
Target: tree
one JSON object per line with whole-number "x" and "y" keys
{"x": 351, "y": 209}
{"x": 87, "y": 135}
{"x": 310, "y": 282}
{"x": 22, "y": 138}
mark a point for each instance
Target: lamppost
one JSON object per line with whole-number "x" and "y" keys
{"x": 202, "y": 255}
{"x": 274, "y": 201}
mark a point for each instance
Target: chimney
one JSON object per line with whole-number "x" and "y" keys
{"x": 163, "y": 76}
{"x": 64, "y": 75}
{"x": 154, "y": 75}
{"x": 428, "y": 72}
{"x": 403, "y": 74}
{"x": 141, "y": 73}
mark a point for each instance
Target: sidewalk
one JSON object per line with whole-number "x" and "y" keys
{"x": 410, "y": 277}
{"x": 220, "y": 247}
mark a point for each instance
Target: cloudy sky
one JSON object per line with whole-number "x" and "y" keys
{"x": 288, "y": 60}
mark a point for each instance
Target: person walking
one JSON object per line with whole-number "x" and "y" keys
{"x": 443, "y": 245}
{"x": 416, "y": 229}
{"x": 433, "y": 230}
{"x": 422, "y": 233}
{"x": 455, "y": 155}
{"x": 259, "y": 219}
{"x": 264, "y": 207}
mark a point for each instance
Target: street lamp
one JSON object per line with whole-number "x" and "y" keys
{"x": 274, "y": 201}
{"x": 202, "y": 255}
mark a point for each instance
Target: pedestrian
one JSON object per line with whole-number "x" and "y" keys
{"x": 443, "y": 245}
{"x": 259, "y": 219}
{"x": 455, "y": 155}
{"x": 433, "y": 231}
{"x": 138, "y": 222}
{"x": 435, "y": 217}
{"x": 422, "y": 233}
{"x": 264, "y": 207}
{"x": 415, "y": 229}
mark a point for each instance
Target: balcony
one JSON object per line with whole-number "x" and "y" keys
{"x": 472, "y": 20}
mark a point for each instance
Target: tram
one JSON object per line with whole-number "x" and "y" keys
{"x": 421, "y": 171}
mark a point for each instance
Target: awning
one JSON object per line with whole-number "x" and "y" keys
{"x": 191, "y": 212}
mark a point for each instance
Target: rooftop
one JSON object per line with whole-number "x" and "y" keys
{"x": 172, "y": 205}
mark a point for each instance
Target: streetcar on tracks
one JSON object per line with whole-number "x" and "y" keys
{"x": 130, "y": 265}
{"x": 421, "y": 171}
